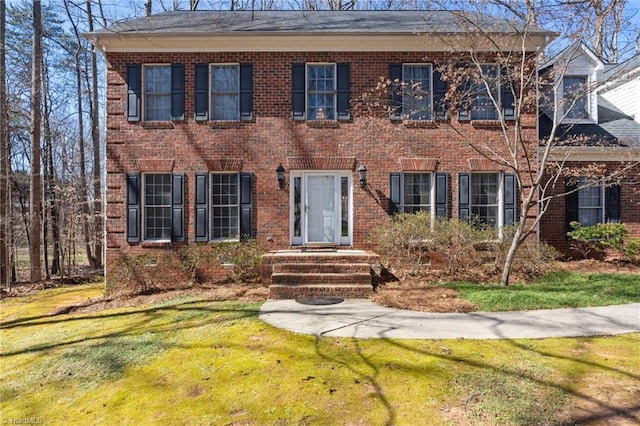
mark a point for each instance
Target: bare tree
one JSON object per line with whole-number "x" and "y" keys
{"x": 35, "y": 200}
{"x": 5, "y": 215}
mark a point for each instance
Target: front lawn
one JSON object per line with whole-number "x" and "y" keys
{"x": 560, "y": 289}
{"x": 194, "y": 361}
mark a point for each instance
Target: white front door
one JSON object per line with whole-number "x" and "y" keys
{"x": 321, "y": 208}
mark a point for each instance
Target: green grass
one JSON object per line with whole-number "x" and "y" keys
{"x": 554, "y": 290}
{"x": 193, "y": 361}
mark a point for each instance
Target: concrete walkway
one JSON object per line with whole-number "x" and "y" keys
{"x": 365, "y": 319}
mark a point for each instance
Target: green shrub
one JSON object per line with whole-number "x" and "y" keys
{"x": 631, "y": 250}
{"x": 601, "y": 236}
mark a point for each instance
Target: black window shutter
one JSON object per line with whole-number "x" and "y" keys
{"x": 177, "y": 207}
{"x": 440, "y": 110}
{"x": 133, "y": 92}
{"x": 202, "y": 208}
{"x": 395, "y": 91}
{"x": 395, "y": 192}
{"x": 613, "y": 204}
{"x": 506, "y": 95}
{"x": 571, "y": 204}
{"x": 246, "y": 92}
{"x": 246, "y": 205}
{"x": 298, "y": 91}
{"x": 344, "y": 91}
{"x": 177, "y": 91}
{"x": 464, "y": 196}
{"x": 133, "y": 207}
{"x": 201, "y": 92}
{"x": 442, "y": 196}
{"x": 509, "y": 197}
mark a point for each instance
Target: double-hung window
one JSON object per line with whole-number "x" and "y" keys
{"x": 157, "y": 92}
{"x": 225, "y": 223}
{"x": 484, "y": 198}
{"x": 487, "y": 198}
{"x": 225, "y": 92}
{"x": 157, "y": 206}
{"x": 485, "y": 92}
{"x": 224, "y": 207}
{"x": 575, "y": 97}
{"x": 154, "y": 206}
{"x": 415, "y": 191}
{"x": 417, "y": 102}
{"x": 321, "y": 91}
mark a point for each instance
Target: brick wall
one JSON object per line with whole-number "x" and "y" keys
{"x": 553, "y": 225}
{"x": 272, "y": 138}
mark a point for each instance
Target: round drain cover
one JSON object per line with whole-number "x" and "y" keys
{"x": 319, "y": 300}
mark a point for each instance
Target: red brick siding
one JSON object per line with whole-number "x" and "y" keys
{"x": 272, "y": 138}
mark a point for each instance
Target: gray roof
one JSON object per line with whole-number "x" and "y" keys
{"x": 616, "y": 70}
{"x": 399, "y": 22}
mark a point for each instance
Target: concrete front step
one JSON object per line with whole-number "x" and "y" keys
{"x": 347, "y": 291}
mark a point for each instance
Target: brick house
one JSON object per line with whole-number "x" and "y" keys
{"x": 229, "y": 124}
{"x": 598, "y": 125}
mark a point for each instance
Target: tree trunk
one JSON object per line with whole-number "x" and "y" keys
{"x": 35, "y": 200}
{"x": 5, "y": 217}
{"x": 95, "y": 137}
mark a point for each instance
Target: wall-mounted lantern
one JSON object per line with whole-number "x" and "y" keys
{"x": 280, "y": 173}
{"x": 362, "y": 175}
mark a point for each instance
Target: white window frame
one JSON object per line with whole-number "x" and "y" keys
{"x": 334, "y": 92}
{"x": 432, "y": 191}
{"x": 495, "y": 102}
{"x": 145, "y": 93}
{"x": 407, "y": 113}
{"x": 144, "y": 205}
{"x": 500, "y": 200}
{"x": 211, "y": 94}
{"x": 600, "y": 208}
{"x": 563, "y": 100}
{"x": 212, "y": 207}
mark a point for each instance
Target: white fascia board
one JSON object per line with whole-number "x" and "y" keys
{"x": 269, "y": 42}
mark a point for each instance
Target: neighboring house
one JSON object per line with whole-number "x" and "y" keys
{"x": 229, "y": 124}
{"x": 598, "y": 124}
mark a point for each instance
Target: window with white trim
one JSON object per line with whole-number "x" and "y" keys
{"x": 590, "y": 203}
{"x": 575, "y": 98}
{"x": 485, "y": 92}
{"x": 417, "y": 100}
{"x": 157, "y": 206}
{"x": 321, "y": 91}
{"x": 225, "y": 206}
{"x": 157, "y": 92}
{"x": 417, "y": 191}
{"x": 485, "y": 201}
{"x": 225, "y": 92}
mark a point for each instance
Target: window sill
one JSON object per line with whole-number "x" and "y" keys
{"x": 420, "y": 124}
{"x": 155, "y": 244}
{"x": 486, "y": 124}
{"x": 157, "y": 125}
{"x": 225, "y": 124}
{"x": 323, "y": 124}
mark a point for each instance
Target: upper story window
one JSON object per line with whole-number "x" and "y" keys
{"x": 575, "y": 97}
{"x": 225, "y": 92}
{"x": 417, "y": 102}
{"x": 157, "y": 92}
{"x": 485, "y": 92}
{"x": 321, "y": 91}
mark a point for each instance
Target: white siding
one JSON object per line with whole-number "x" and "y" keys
{"x": 626, "y": 97}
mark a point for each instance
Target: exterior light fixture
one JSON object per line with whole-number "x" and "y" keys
{"x": 280, "y": 173}
{"x": 362, "y": 175}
